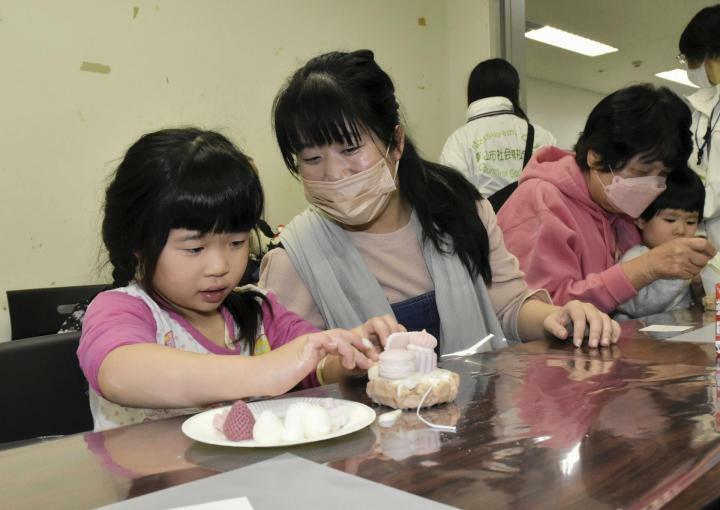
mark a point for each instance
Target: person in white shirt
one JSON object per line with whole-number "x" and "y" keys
{"x": 700, "y": 53}
{"x": 490, "y": 148}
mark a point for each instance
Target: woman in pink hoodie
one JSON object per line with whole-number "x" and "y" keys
{"x": 571, "y": 218}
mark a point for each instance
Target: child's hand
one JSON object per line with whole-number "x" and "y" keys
{"x": 575, "y": 316}
{"x": 348, "y": 345}
{"x": 378, "y": 329}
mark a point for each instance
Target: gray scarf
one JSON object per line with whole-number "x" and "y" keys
{"x": 347, "y": 294}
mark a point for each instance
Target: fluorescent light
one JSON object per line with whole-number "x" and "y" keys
{"x": 678, "y": 76}
{"x": 568, "y": 41}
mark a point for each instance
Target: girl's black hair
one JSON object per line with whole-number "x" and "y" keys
{"x": 335, "y": 96}
{"x": 685, "y": 191}
{"x": 495, "y": 78}
{"x": 180, "y": 178}
{"x": 640, "y": 120}
{"x": 700, "y": 38}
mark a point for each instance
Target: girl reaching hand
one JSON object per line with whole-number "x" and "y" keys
{"x": 174, "y": 333}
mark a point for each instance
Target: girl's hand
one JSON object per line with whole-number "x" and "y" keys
{"x": 349, "y": 346}
{"x": 576, "y": 315}
{"x": 378, "y": 329}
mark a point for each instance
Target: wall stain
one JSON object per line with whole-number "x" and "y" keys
{"x": 421, "y": 88}
{"x": 81, "y": 115}
{"x": 135, "y": 12}
{"x": 167, "y": 80}
{"x": 94, "y": 67}
{"x": 422, "y": 21}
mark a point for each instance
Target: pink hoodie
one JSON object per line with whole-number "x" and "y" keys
{"x": 565, "y": 242}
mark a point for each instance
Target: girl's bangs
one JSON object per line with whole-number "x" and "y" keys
{"x": 217, "y": 199}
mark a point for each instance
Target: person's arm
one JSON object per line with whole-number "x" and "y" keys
{"x": 282, "y": 324}
{"x": 376, "y": 330}
{"x": 122, "y": 361}
{"x": 527, "y": 315}
{"x": 152, "y": 375}
{"x": 548, "y": 247}
{"x": 575, "y": 319}
{"x": 658, "y": 296}
{"x": 682, "y": 258}
{"x": 278, "y": 275}
{"x": 508, "y": 291}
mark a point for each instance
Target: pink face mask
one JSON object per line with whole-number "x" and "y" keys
{"x": 632, "y": 195}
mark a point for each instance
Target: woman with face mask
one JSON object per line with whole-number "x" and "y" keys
{"x": 390, "y": 233}
{"x": 571, "y": 218}
{"x": 700, "y": 53}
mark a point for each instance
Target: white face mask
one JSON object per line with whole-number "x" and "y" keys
{"x": 699, "y": 77}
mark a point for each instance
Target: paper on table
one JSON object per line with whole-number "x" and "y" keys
{"x": 706, "y": 334}
{"x": 305, "y": 486}
{"x": 225, "y": 504}
{"x": 660, "y": 328}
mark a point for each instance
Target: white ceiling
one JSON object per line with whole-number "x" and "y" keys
{"x": 646, "y": 32}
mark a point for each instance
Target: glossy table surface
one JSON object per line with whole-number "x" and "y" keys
{"x": 539, "y": 425}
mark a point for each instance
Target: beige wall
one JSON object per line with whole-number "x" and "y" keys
{"x": 214, "y": 63}
{"x": 560, "y": 109}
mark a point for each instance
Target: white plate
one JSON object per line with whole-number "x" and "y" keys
{"x": 200, "y": 427}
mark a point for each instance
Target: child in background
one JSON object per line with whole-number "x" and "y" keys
{"x": 677, "y": 212}
{"x": 174, "y": 333}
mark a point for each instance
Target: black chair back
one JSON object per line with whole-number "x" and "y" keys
{"x": 36, "y": 312}
{"x": 43, "y": 392}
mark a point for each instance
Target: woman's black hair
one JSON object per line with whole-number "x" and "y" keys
{"x": 685, "y": 192}
{"x": 334, "y": 97}
{"x": 495, "y": 78}
{"x": 640, "y": 120}
{"x": 180, "y": 178}
{"x": 701, "y": 38}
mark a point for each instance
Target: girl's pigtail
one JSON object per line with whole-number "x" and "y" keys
{"x": 124, "y": 269}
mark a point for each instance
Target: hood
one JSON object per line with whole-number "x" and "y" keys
{"x": 558, "y": 167}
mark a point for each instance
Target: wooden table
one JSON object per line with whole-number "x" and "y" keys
{"x": 539, "y": 425}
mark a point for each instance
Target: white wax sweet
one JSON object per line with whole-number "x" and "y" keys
{"x": 293, "y": 422}
{"x": 268, "y": 428}
{"x": 316, "y": 421}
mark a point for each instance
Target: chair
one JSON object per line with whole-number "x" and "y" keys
{"x": 36, "y": 312}
{"x": 42, "y": 389}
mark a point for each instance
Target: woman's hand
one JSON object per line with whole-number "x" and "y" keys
{"x": 378, "y": 329}
{"x": 352, "y": 350}
{"x": 682, "y": 258}
{"x": 577, "y": 316}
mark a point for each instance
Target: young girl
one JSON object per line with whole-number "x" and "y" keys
{"x": 177, "y": 217}
{"x": 675, "y": 214}
{"x": 389, "y": 232}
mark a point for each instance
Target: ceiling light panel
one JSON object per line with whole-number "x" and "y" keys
{"x": 567, "y": 41}
{"x": 678, "y": 76}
